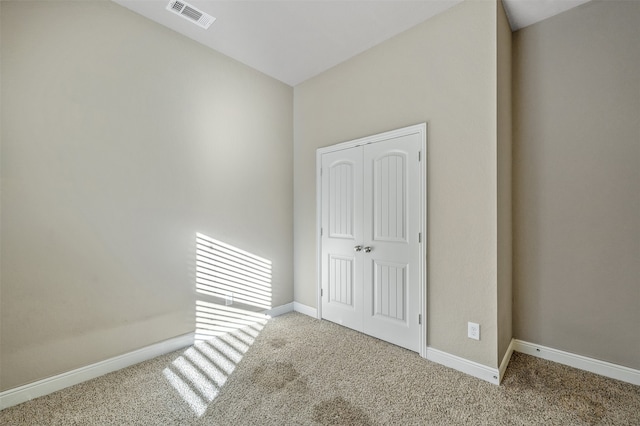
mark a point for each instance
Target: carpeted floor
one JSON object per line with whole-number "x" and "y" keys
{"x": 301, "y": 371}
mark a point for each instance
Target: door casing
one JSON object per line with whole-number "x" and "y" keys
{"x": 421, "y": 130}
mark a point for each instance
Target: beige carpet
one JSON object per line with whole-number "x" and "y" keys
{"x": 301, "y": 371}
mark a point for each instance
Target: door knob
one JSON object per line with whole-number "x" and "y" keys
{"x": 357, "y": 248}
{"x": 368, "y": 249}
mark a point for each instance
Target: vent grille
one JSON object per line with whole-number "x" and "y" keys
{"x": 177, "y": 6}
{"x": 191, "y": 13}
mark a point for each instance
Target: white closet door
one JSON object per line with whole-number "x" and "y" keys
{"x": 341, "y": 275}
{"x": 370, "y": 228}
{"x": 391, "y": 226}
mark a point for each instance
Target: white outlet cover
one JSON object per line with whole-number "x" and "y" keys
{"x": 473, "y": 331}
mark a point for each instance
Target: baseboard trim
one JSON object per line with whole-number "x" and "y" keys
{"x": 480, "y": 371}
{"x": 505, "y": 360}
{"x": 279, "y": 310}
{"x": 46, "y": 386}
{"x": 592, "y": 365}
{"x": 306, "y": 310}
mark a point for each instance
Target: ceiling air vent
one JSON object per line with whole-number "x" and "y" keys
{"x": 191, "y": 13}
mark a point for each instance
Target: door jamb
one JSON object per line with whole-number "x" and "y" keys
{"x": 421, "y": 129}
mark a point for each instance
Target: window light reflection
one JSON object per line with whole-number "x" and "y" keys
{"x": 224, "y": 333}
{"x": 228, "y": 272}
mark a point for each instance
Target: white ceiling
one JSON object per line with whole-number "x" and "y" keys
{"x": 294, "y": 40}
{"x": 523, "y": 13}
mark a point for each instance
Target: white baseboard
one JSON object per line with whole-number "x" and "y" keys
{"x": 505, "y": 360}
{"x": 279, "y": 310}
{"x": 491, "y": 375}
{"x": 592, "y": 365}
{"x": 46, "y": 386}
{"x": 306, "y": 310}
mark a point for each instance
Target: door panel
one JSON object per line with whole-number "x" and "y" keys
{"x": 341, "y": 199}
{"x": 389, "y": 209}
{"x": 390, "y": 291}
{"x": 341, "y": 280}
{"x": 341, "y": 275}
{"x": 391, "y": 223}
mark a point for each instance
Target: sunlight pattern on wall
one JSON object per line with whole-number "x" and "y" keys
{"x": 231, "y": 273}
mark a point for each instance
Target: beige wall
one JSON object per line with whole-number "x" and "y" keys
{"x": 111, "y": 162}
{"x": 505, "y": 225}
{"x": 577, "y": 180}
{"x": 120, "y": 141}
{"x": 442, "y": 72}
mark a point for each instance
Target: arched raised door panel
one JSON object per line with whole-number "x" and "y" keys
{"x": 390, "y": 197}
{"x": 371, "y": 225}
{"x": 341, "y": 203}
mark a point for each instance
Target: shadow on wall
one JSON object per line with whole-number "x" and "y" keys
{"x": 223, "y": 333}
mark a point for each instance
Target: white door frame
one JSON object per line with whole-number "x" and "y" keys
{"x": 420, "y": 129}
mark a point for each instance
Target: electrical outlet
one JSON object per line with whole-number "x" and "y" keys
{"x": 228, "y": 299}
{"x": 473, "y": 331}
